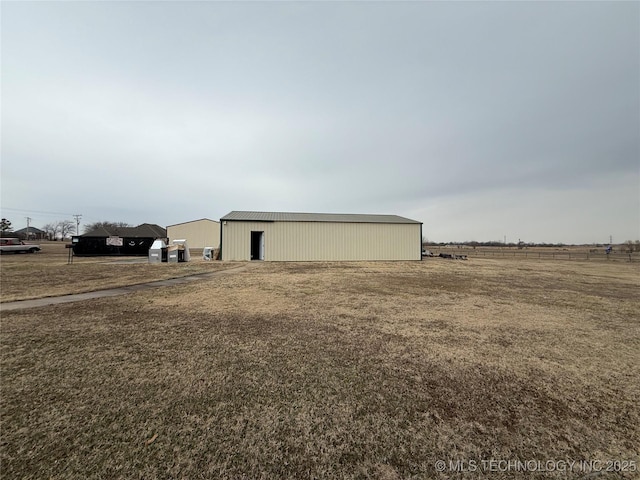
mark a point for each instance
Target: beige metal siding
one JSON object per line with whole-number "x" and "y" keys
{"x": 323, "y": 241}
{"x": 199, "y": 233}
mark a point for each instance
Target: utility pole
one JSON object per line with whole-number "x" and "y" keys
{"x": 28, "y": 222}
{"x": 78, "y": 216}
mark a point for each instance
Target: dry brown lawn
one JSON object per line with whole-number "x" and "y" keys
{"x": 48, "y": 273}
{"x": 331, "y": 370}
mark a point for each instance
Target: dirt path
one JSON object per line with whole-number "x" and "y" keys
{"x": 113, "y": 292}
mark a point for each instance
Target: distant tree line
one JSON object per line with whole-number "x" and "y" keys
{"x": 65, "y": 228}
{"x": 59, "y": 230}
{"x": 106, "y": 225}
{"x": 62, "y": 229}
{"x": 629, "y": 246}
{"x": 53, "y": 231}
{"x": 493, "y": 243}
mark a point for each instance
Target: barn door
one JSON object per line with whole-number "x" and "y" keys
{"x": 257, "y": 245}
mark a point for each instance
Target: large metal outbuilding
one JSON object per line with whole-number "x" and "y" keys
{"x": 276, "y": 236}
{"x": 198, "y": 233}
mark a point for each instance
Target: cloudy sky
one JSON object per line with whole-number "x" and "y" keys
{"x": 482, "y": 120}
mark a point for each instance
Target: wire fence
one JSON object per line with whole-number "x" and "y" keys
{"x": 589, "y": 255}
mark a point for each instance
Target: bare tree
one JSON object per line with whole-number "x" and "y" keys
{"x": 51, "y": 229}
{"x": 107, "y": 225}
{"x": 66, "y": 228}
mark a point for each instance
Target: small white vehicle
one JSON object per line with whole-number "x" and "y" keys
{"x": 15, "y": 245}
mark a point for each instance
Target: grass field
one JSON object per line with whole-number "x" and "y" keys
{"x": 329, "y": 370}
{"x": 48, "y": 273}
{"x": 571, "y": 252}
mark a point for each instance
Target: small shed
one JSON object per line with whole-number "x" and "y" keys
{"x": 279, "y": 236}
{"x": 198, "y": 233}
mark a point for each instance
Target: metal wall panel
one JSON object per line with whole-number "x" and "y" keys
{"x": 199, "y": 233}
{"x": 323, "y": 241}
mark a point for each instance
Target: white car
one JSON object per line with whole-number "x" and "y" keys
{"x": 15, "y": 245}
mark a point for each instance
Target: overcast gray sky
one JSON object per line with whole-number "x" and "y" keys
{"x": 482, "y": 120}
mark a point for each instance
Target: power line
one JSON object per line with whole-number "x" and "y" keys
{"x": 32, "y": 212}
{"x": 40, "y": 213}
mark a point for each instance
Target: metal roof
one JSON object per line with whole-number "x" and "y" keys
{"x": 314, "y": 217}
{"x": 24, "y": 230}
{"x": 193, "y": 221}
